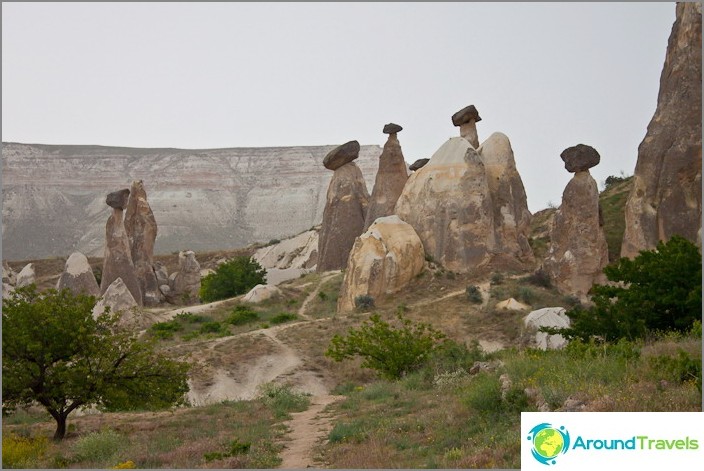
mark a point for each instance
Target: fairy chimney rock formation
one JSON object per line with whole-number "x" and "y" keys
{"x": 26, "y": 276}
{"x": 78, "y": 277}
{"x": 578, "y": 252}
{"x": 141, "y": 229}
{"x": 666, "y": 198}
{"x": 345, "y": 208}
{"x": 185, "y": 283}
{"x": 448, "y": 204}
{"x": 390, "y": 178}
{"x": 118, "y": 255}
{"x": 466, "y": 119}
{"x": 508, "y": 196}
{"x": 383, "y": 261}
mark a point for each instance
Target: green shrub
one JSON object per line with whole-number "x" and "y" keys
{"x": 165, "y": 330}
{"x": 679, "y": 369}
{"x": 364, "y": 302}
{"x": 474, "y": 295}
{"x": 282, "y": 400}
{"x": 348, "y": 432}
{"x": 100, "y": 447}
{"x": 484, "y": 394}
{"x": 525, "y": 294}
{"x": 234, "y": 448}
{"x": 322, "y": 295}
{"x": 21, "y": 452}
{"x": 232, "y": 278}
{"x": 497, "y": 279}
{"x": 191, "y": 318}
{"x": 282, "y": 318}
{"x": 659, "y": 290}
{"x": 539, "y": 278}
{"x": 242, "y": 315}
{"x": 390, "y": 350}
{"x": 213, "y": 328}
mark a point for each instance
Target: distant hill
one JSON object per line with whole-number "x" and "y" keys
{"x": 203, "y": 200}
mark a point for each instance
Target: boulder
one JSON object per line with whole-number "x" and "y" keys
{"x": 261, "y": 293}
{"x": 117, "y": 262}
{"x": 448, "y": 204}
{"x": 341, "y": 155}
{"x": 343, "y": 217}
{"x": 141, "y": 229}
{"x": 547, "y": 317}
{"x": 26, "y": 276}
{"x": 580, "y": 158}
{"x": 390, "y": 180}
{"x": 118, "y": 298}
{"x": 118, "y": 199}
{"x": 383, "y": 261}
{"x": 418, "y": 164}
{"x": 508, "y": 196}
{"x": 78, "y": 276}
{"x": 186, "y": 281}
{"x": 578, "y": 252}
{"x": 392, "y": 128}
{"x": 666, "y": 198}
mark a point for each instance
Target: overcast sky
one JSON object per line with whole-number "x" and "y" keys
{"x": 199, "y": 75}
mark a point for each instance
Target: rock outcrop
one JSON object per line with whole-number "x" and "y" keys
{"x": 78, "y": 277}
{"x": 547, "y": 317}
{"x": 120, "y": 300}
{"x": 185, "y": 283}
{"x": 261, "y": 293}
{"x": 117, "y": 261}
{"x": 383, "y": 261}
{"x": 666, "y": 198}
{"x": 508, "y": 198}
{"x": 418, "y": 164}
{"x": 578, "y": 251}
{"x": 289, "y": 258}
{"x": 449, "y": 205}
{"x": 203, "y": 199}
{"x": 26, "y": 276}
{"x": 141, "y": 229}
{"x": 390, "y": 178}
{"x": 344, "y": 214}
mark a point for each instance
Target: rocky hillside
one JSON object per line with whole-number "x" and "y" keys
{"x": 213, "y": 199}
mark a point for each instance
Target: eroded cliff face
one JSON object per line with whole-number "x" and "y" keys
{"x": 667, "y": 192}
{"x": 54, "y": 196}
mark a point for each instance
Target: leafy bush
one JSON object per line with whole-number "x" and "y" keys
{"x": 282, "y": 318}
{"x": 539, "y": 278}
{"x": 474, "y": 295}
{"x": 678, "y": 369}
{"x": 364, "y": 302}
{"x": 21, "y": 452}
{"x": 525, "y": 294}
{"x": 282, "y": 399}
{"x": 99, "y": 447}
{"x": 497, "y": 278}
{"x": 191, "y": 318}
{"x": 322, "y": 295}
{"x": 213, "y": 328}
{"x": 392, "y": 351}
{"x": 659, "y": 290}
{"x": 242, "y": 315}
{"x": 232, "y": 278}
{"x": 165, "y": 330}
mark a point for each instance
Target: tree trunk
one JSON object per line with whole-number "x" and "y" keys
{"x": 60, "y": 426}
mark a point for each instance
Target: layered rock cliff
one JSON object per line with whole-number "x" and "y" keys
{"x": 54, "y": 195}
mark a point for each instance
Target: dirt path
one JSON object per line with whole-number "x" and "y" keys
{"x": 313, "y": 294}
{"x": 307, "y": 429}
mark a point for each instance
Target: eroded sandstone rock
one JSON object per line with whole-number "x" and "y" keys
{"x": 117, "y": 261}
{"x": 185, "y": 283}
{"x": 78, "y": 276}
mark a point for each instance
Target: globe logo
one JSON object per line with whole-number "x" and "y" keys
{"x": 548, "y": 442}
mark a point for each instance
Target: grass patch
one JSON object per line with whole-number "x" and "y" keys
{"x": 283, "y": 318}
{"x": 282, "y": 400}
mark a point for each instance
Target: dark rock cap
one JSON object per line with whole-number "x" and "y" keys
{"x": 465, "y": 115}
{"x": 580, "y": 158}
{"x": 118, "y": 199}
{"x": 341, "y": 155}
{"x": 392, "y": 128}
{"x": 418, "y": 164}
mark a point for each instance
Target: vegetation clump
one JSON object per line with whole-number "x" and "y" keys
{"x": 232, "y": 278}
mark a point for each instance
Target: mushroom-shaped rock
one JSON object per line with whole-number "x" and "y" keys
{"x": 418, "y": 164}
{"x": 341, "y": 155}
{"x": 26, "y": 276}
{"x": 466, "y": 119}
{"x": 117, "y": 261}
{"x": 118, "y": 199}
{"x": 383, "y": 261}
{"x": 78, "y": 277}
{"x": 392, "y": 128}
{"x": 580, "y": 158}
{"x": 261, "y": 293}
{"x": 547, "y": 317}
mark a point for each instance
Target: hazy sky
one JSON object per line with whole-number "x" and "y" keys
{"x": 205, "y": 75}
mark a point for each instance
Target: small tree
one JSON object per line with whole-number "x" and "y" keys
{"x": 391, "y": 351}
{"x": 55, "y": 353}
{"x": 659, "y": 290}
{"x": 232, "y": 278}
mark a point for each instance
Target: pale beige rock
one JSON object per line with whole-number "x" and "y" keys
{"x": 383, "y": 261}
{"x": 186, "y": 281}
{"x": 261, "y": 293}
{"x": 299, "y": 252}
{"x": 78, "y": 276}
{"x": 141, "y": 229}
{"x": 511, "y": 304}
{"x": 26, "y": 276}
{"x": 666, "y": 198}
{"x": 118, "y": 298}
{"x": 8, "y": 274}
{"x": 343, "y": 217}
{"x": 547, "y": 317}
{"x": 508, "y": 196}
{"x": 390, "y": 180}
{"x": 578, "y": 252}
{"x": 117, "y": 262}
{"x": 448, "y": 203}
